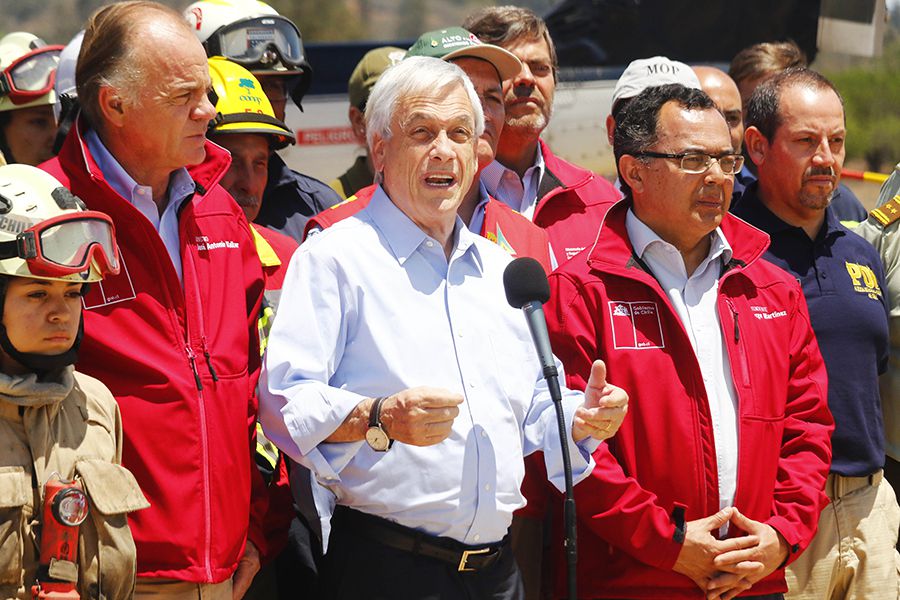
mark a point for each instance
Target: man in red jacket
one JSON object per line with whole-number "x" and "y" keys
{"x": 566, "y": 200}
{"x": 715, "y": 479}
{"x": 174, "y": 334}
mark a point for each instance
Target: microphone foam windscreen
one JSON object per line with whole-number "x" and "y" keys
{"x": 525, "y": 281}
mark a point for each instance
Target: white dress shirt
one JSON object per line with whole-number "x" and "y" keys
{"x": 694, "y": 300}
{"x": 371, "y": 306}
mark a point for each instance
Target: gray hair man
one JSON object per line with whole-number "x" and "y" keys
{"x": 416, "y": 393}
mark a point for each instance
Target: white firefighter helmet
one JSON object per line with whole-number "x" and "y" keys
{"x": 254, "y": 35}
{"x": 46, "y": 232}
{"x": 27, "y": 71}
{"x": 65, "y": 74}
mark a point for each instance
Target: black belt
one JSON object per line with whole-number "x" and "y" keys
{"x": 464, "y": 558}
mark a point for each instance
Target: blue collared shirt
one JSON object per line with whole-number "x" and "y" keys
{"x": 181, "y": 188}
{"x": 519, "y": 194}
{"x": 371, "y": 306}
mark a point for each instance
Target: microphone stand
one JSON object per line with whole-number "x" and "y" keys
{"x": 551, "y": 375}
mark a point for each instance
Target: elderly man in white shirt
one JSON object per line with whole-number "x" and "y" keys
{"x": 398, "y": 373}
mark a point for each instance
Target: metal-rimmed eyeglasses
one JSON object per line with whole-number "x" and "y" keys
{"x": 698, "y": 162}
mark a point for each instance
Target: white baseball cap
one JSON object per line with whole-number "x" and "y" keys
{"x": 649, "y": 72}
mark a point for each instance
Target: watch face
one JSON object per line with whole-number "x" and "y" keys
{"x": 378, "y": 439}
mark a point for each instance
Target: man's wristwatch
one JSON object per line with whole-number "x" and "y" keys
{"x": 376, "y": 436}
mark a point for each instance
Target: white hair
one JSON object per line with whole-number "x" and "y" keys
{"x": 414, "y": 76}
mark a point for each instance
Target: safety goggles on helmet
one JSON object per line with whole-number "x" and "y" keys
{"x": 31, "y": 75}
{"x": 259, "y": 43}
{"x": 66, "y": 244}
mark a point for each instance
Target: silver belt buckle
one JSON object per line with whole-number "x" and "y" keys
{"x": 462, "y": 568}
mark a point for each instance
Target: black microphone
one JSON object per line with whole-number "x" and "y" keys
{"x": 527, "y": 288}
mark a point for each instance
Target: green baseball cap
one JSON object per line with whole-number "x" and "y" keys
{"x": 456, "y": 42}
{"x": 368, "y": 70}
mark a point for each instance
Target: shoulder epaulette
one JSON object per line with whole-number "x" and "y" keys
{"x": 888, "y": 212}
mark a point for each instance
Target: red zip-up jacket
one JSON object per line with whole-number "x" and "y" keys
{"x": 571, "y": 204}
{"x": 660, "y": 469}
{"x": 182, "y": 363}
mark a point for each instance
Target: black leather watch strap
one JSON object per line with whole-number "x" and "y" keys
{"x": 375, "y": 413}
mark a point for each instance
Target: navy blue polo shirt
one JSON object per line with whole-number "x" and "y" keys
{"x": 843, "y": 281}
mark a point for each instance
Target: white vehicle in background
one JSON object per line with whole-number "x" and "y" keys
{"x": 326, "y": 147}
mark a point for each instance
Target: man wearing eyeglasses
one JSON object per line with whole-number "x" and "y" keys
{"x": 715, "y": 478}
{"x": 724, "y": 92}
{"x": 796, "y": 138}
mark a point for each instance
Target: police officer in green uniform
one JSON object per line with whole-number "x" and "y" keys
{"x": 882, "y": 230}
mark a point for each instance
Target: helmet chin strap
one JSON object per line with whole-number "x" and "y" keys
{"x": 42, "y": 363}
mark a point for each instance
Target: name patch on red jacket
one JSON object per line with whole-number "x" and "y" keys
{"x": 635, "y": 325}
{"x": 572, "y": 251}
{"x": 204, "y": 243}
{"x": 763, "y": 313}
{"x": 111, "y": 290}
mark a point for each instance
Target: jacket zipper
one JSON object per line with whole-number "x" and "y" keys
{"x": 745, "y": 378}
{"x": 204, "y": 433}
{"x": 202, "y": 326}
{"x": 192, "y": 359}
{"x": 212, "y": 371}
{"x": 206, "y": 496}
{"x": 191, "y": 355}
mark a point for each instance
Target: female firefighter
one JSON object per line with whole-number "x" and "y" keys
{"x": 64, "y": 497}
{"x": 27, "y": 70}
